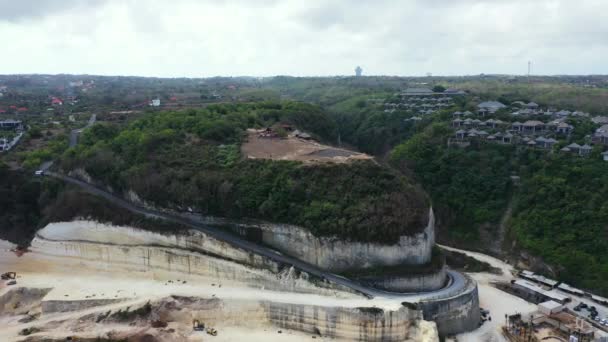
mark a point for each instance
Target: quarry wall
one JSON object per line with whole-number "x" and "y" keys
{"x": 331, "y": 253}
{"x": 125, "y": 249}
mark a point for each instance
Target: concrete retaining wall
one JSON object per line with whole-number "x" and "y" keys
{"x": 408, "y": 283}
{"x": 456, "y": 314}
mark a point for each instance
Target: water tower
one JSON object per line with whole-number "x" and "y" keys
{"x": 358, "y": 71}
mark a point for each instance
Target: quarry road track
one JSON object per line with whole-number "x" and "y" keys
{"x": 456, "y": 285}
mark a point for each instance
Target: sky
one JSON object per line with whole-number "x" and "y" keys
{"x": 205, "y": 38}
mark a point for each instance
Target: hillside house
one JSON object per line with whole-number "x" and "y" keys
{"x": 493, "y": 123}
{"x": 489, "y": 107}
{"x": 417, "y": 92}
{"x": 572, "y": 148}
{"x": 600, "y": 120}
{"x": 533, "y": 127}
{"x": 564, "y": 128}
{"x": 55, "y": 101}
{"x": 453, "y": 91}
{"x": 461, "y": 134}
{"x": 532, "y": 105}
{"x": 10, "y": 124}
{"x": 601, "y": 135}
{"x": 516, "y": 126}
{"x": 605, "y": 156}
{"x": 575, "y": 148}
{"x": 546, "y": 143}
{"x": 585, "y": 150}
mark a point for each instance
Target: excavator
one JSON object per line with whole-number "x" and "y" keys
{"x": 198, "y": 326}
{"x": 9, "y": 275}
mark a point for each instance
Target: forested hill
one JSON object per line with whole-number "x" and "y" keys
{"x": 559, "y": 202}
{"x": 191, "y": 159}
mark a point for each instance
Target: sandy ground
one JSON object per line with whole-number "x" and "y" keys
{"x": 77, "y": 281}
{"x": 496, "y": 301}
{"x": 292, "y": 148}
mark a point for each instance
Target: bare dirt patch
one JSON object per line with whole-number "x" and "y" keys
{"x": 295, "y": 148}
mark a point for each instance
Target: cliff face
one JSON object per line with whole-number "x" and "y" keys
{"x": 332, "y": 253}
{"x": 122, "y": 252}
{"x": 194, "y": 254}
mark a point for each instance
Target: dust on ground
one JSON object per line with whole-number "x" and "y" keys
{"x": 292, "y": 147}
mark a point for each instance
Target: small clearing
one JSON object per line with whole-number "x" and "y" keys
{"x": 259, "y": 146}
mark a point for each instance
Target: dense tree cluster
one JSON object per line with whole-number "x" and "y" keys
{"x": 192, "y": 159}
{"x": 560, "y": 209}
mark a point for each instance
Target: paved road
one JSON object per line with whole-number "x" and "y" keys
{"x": 457, "y": 282}
{"x": 76, "y": 132}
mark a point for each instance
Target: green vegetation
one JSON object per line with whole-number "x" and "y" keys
{"x": 468, "y": 187}
{"x": 54, "y": 148}
{"x": 19, "y": 206}
{"x": 560, "y": 209}
{"x": 366, "y": 125}
{"x": 561, "y": 214}
{"x": 191, "y": 159}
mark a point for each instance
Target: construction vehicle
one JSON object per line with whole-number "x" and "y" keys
{"x": 9, "y": 275}
{"x": 211, "y": 331}
{"x": 197, "y": 325}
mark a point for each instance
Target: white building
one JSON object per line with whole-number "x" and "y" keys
{"x": 155, "y": 103}
{"x": 550, "y": 307}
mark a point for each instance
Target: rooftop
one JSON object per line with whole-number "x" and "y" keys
{"x": 491, "y": 104}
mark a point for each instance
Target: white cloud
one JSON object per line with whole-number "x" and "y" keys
{"x": 270, "y": 37}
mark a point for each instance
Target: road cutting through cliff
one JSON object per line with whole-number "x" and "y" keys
{"x": 456, "y": 284}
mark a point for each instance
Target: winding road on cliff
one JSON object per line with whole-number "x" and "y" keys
{"x": 457, "y": 283}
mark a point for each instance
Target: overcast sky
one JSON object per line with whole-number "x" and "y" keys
{"x": 202, "y": 38}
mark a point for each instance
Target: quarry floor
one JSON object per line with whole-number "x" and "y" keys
{"x": 77, "y": 282}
